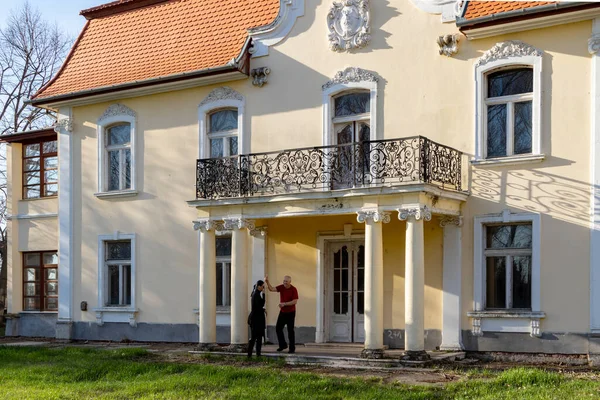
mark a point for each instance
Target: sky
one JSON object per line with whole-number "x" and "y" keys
{"x": 64, "y": 12}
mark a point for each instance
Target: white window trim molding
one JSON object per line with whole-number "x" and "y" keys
{"x": 508, "y": 54}
{"x": 270, "y": 35}
{"x": 479, "y": 276}
{"x": 594, "y": 49}
{"x": 115, "y": 314}
{"x": 221, "y": 98}
{"x": 115, "y": 114}
{"x": 351, "y": 79}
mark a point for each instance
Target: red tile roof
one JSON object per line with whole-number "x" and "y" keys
{"x": 160, "y": 39}
{"x": 477, "y": 9}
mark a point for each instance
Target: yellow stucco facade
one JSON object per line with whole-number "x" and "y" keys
{"x": 419, "y": 93}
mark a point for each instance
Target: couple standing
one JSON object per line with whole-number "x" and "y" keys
{"x": 288, "y": 297}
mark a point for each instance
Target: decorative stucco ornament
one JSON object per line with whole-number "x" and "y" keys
{"x": 64, "y": 125}
{"x": 351, "y": 74}
{"x": 222, "y": 93}
{"x": 448, "y": 44}
{"x": 510, "y": 48}
{"x": 349, "y": 25}
{"x": 116, "y": 109}
{"x": 260, "y": 76}
{"x": 594, "y": 43}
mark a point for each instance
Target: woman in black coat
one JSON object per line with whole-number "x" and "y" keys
{"x": 257, "y": 319}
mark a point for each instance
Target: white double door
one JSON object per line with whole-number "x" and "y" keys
{"x": 347, "y": 291}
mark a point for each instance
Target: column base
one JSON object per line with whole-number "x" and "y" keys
{"x": 416, "y": 355}
{"x": 207, "y": 347}
{"x": 64, "y": 330}
{"x": 451, "y": 348}
{"x": 372, "y": 354}
{"x": 238, "y": 348}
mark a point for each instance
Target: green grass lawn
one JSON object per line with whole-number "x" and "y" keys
{"x": 78, "y": 373}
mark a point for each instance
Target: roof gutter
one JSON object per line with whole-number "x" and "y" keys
{"x": 462, "y": 22}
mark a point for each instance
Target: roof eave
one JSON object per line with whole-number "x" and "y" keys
{"x": 232, "y": 66}
{"x": 462, "y": 22}
{"x": 28, "y": 135}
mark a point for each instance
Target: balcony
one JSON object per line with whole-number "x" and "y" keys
{"x": 379, "y": 163}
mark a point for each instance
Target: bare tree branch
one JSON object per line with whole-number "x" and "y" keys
{"x": 31, "y": 53}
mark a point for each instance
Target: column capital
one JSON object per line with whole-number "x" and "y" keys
{"x": 451, "y": 221}
{"x": 205, "y": 225}
{"x": 418, "y": 213}
{"x": 259, "y": 231}
{"x": 594, "y": 43}
{"x": 64, "y": 125}
{"x": 374, "y": 216}
{"x": 230, "y": 224}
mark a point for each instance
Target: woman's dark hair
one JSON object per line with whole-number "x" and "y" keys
{"x": 258, "y": 283}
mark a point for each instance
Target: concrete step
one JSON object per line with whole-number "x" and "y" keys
{"x": 338, "y": 345}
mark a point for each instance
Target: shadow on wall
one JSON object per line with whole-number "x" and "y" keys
{"x": 535, "y": 191}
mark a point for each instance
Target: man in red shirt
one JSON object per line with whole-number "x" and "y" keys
{"x": 288, "y": 297}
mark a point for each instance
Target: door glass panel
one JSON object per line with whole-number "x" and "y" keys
{"x": 344, "y": 303}
{"x": 360, "y": 304}
{"x": 216, "y": 148}
{"x": 345, "y": 280}
{"x": 219, "y": 284}
{"x": 225, "y": 120}
{"x": 336, "y": 280}
{"x": 233, "y": 146}
{"x": 336, "y": 303}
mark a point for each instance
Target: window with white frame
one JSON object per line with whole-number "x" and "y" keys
{"x": 116, "y": 130}
{"x": 117, "y": 147}
{"x": 509, "y": 106}
{"x": 223, "y": 250}
{"x": 118, "y": 273}
{"x": 223, "y": 133}
{"x": 352, "y": 127}
{"x": 508, "y": 251}
{"x": 509, "y": 94}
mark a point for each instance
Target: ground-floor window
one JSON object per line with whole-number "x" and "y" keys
{"x": 223, "y": 250}
{"x": 508, "y": 253}
{"x": 40, "y": 281}
{"x": 118, "y": 272}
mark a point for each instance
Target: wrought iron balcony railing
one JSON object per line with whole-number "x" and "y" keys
{"x": 365, "y": 164}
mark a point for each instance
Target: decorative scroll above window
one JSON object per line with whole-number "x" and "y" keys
{"x": 507, "y": 49}
{"x": 349, "y": 25}
{"x": 351, "y": 74}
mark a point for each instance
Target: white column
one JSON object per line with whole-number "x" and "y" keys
{"x": 373, "y": 277}
{"x": 414, "y": 302}
{"x": 594, "y": 49}
{"x": 239, "y": 278}
{"x": 451, "y": 285}
{"x": 259, "y": 259}
{"x": 207, "y": 326}
{"x": 64, "y": 129}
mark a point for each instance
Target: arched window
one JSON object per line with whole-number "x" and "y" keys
{"x": 509, "y": 112}
{"x": 352, "y": 117}
{"x": 223, "y": 133}
{"x": 116, "y": 152}
{"x": 221, "y": 124}
{"x": 508, "y": 81}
